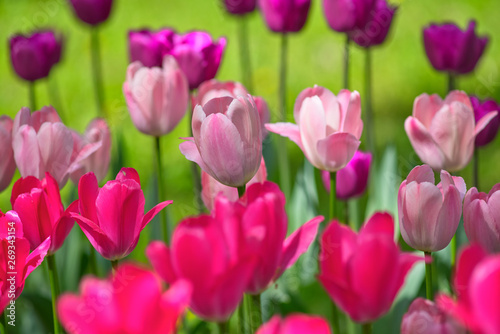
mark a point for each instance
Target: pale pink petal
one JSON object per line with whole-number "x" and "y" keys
{"x": 288, "y": 130}
{"x": 312, "y": 125}
{"x": 336, "y": 151}
{"x": 423, "y": 143}
{"x": 425, "y": 107}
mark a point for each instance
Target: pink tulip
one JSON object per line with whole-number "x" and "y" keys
{"x": 132, "y": 301}
{"x": 98, "y": 162}
{"x": 157, "y": 97}
{"x": 210, "y": 187}
{"x": 329, "y": 127}
{"x": 442, "y": 133}
{"x": 7, "y": 163}
{"x": 227, "y": 141}
{"x": 363, "y": 272}
{"x": 482, "y": 218}
{"x": 295, "y": 324}
{"x": 112, "y": 217}
{"x": 429, "y": 214}
{"x": 424, "y": 317}
{"x": 43, "y": 144}
{"x": 39, "y": 206}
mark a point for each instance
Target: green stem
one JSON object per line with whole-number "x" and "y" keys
{"x": 428, "y": 276}
{"x": 246, "y": 65}
{"x": 370, "y": 129}
{"x": 114, "y": 266}
{"x": 256, "y": 312}
{"x": 241, "y": 317}
{"x": 54, "y": 288}
{"x": 453, "y": 248}
{"x": 335, "y": 318}
{"x": 475, "y": 167}
{"x": 452, "y": 83}
{"x": 97, "y": 70}
{"x": 5, "y": 322}
{"x": 164, "y": 223}
{"x": 241, "y": 191}
{"x": 366, "y": 328}
{"x": 32, "y": 95}
{"x": 333, "y": 194}
{"x": 92, "y": 260}
{"x": 345, "y": 82}
{"x": 223, "y": 327}
{"x": 195, "y": 172}
{"x": 346, "y": 215}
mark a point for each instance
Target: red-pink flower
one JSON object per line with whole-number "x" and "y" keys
{"x": 7, "y": 163}
{"x": 295, "y": 324}
{"x": 363, "y": 272}
{"x": 112, "y": 217}
{"x": 131, "y": 301}
{"x": 38, "y": 204}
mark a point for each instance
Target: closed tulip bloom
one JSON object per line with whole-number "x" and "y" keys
{"x": 227, "y": 141}
{"x": 429, "y": 214}
{"x": 328, "y": 127}
{"x": 130, "y": 301}
{"x": 295, "y": 324}
{"x": 482, "y": 218}
{"x": 39, "y": 206}
{"x": 450, "y": 49}
{"x": 112, "y": 217}
{"x": 7, "y": 163}
{"x": 363, "y": 272}
{"x": 149, "y": 47}
{"x": 482, "y": 109}
{"x": 425, "y": 317}
{"x": 442, "y": 133}
{"x": 347, "y": 15}
{"x": 157, "y": 97}
{"x": 240, "y": 7}
{"x": 285, "y": 16}
{"x": 92, "y": 12}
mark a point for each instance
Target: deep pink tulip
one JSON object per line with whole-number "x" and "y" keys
{"x": 425, "y": 317}
{"x": 363, "y": 272}
{"x": 429, "y": 214}
{"x": 442, "y": 133}
{"x": 227, "y": 141}
{"x": 351, "y": 181}
{"x": 482, "y": 109}
{"x": 92, "y": 12}
{"x": 43, "y": 144}
{"x": 38, "y": 204}
{"x": 131, "y": 301}
{"x": 240, "y": 7}
{"x": 452, "y": 50}
{"x": 295, "y": 324}
{"x": 149, "y": 47}
{"x": 112, "y": 217}
{"x": 198, "y": 55}
{"x": 347, "y": 15}
{"x": 482, "y": 218}
{"x": 157, "y": 97}
{"x": 7, "y": 163}
{"x": 285, "y": 16}
{"x": 98, "y": 162}
{"x": 328, "y": 127}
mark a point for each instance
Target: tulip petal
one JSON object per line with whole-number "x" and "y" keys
{"x": 485, "y": 294}
{"x": 447, "y": 219}
{"x": 153, "y": 212}
{"x": 158, "y": 255}
{"x": 423, "y": 143}
{"x": 336, "y": 150}
{"x": 127, "y": 173}
{"x": 36, "y": 257}
{"x": 379, "y": 223}
{"x": 288, "y": 130}
{"x": 352, "y": 122}
{"x": 101, "y": 242}
{"x": 421, "y": 174}
{"x": 88, "y": 189}
{"x": 191, "y": 152}
{"x": 425, "y": 107}
{"x": 27, "y": 153}
{"x": 312, "y": 126}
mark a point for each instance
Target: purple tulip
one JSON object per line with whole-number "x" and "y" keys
{"x": 33, "y": 56}
{"x": 480, "y": 110}
{"x": 451, "y": 50}
{"x": 149, "y": 47}
{"x": 92, "y": 12}
{"x": 285, "y": 16}
{"x": 240, "y": 7}
{"x": 347, "y": 15}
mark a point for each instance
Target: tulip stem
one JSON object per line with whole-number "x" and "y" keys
{"x": 428, "y": 276}
{"x": 114, "y": 266}
{"x": 246, "y": 65}
{"x": 164, "y": 223}
{"x": 223, "y": 327}
{"x": 348, "y": 222}
{"x": 452, "y": 83}
{"x": 55, "y": 97}
{"x": 475, "y": 167}
{"x": 4, "y": 322}
{"x": 366, "y": 328}
{"x": 241, "y": 191}
{"x": 370, "y": 131}
{"x": 335, "y": 318}
{"x": 97, "y": 70}
{"x": 453, "y": 249}
{"x": 256, "y": 314}
{"x": 32, "y": 95}
{"x": 345, "y": 83}
{"x": 54, "y": 288}
{"x": 333, "y": 193}
{"x": 241, "y": 318}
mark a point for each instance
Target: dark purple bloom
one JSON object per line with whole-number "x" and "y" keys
{"x": 240, "y": 7}
{"x": 480, "y": 110}
{"x": 92, "y": 12}
{"x": 347, "y": 15}
{"x": 285, "y": 16}
{"x": 150, "y": 47}
{"x": 452, "y": 50}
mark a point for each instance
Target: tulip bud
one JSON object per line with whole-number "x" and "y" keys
{"x": 240, "y": 7}
{"x": 149, "y": 47}
{"x": 347, "y": 15}
{"x": 92, "y": 12}
{"x": 285, "y": 16}
{"x": 482, "y": 109}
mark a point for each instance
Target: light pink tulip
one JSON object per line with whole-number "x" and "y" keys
{"x": 443, "y": 133}
{"x": 132, "y": 301}
{"x": 43, "y": 144}
{"x": 227, "y": 141}
{"x": 328, "y": 127}
{"x": 295, "y": 324}
{"x": 429, "y": 214}
{"x": 157, "y": 97}
{"x": 482, "y": 218}
{"x": 7, "y": 163}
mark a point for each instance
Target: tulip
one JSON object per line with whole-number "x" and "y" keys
{"x": 198, "y": 56}
{"x": 149, "y": 47}
{"x": 329, "y": 127}
{"x": 240, "y": 7}
{"x": 227, "y": 141}
{"x": 348, "y": 15}
{"x": 442, "y": 133}
{"x": 92, "y": 12}
{"x": 295, "y": 324}
{"x": 38, "y": 204}
{"x": 363, "y": 272}
{"x": 33, "y": 56}
{"x": 284, "y": 16}
{"x": 7, "y": 163}
{"x": 131, "y": 301}
{"x": 112, "y": 217}
{"x": 425, "y": 317}
{"x": 482, "y": 109}
{"x": 451, "y": 50}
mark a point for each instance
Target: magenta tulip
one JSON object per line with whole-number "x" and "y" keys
{"x": 285, "y": 16}
{"x": 92, "y": 12}
{"x": 450, "y": 49}
{"x": 240, "y": 7}
{"x": 149, "y": 47}
{"x": 363, "y": 272}
{"x": 329, "y": 127}
{"x": 295, "y": 324}
{"x": 7, "y": 163}
{"x": 442, "y": 133}
{"x": 112, "y": 217}
{"x": 347, "y": 15}
{"x": 227, "y": 141}
{"x": 482, "y": 109}
{"x": 131, "y": 301}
